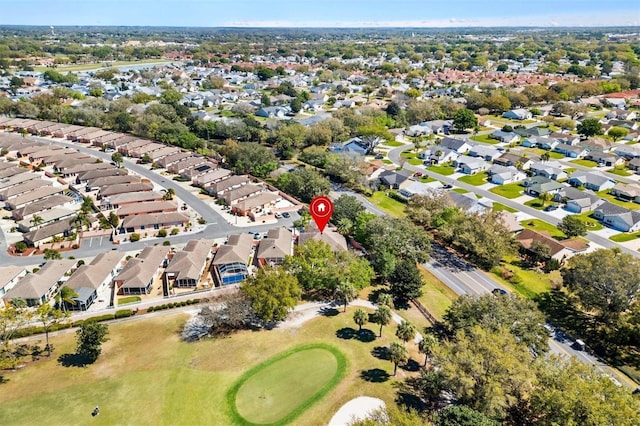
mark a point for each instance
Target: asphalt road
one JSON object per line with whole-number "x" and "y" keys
{"x": 394, "y": 155}
{"x": 217, "y": 226}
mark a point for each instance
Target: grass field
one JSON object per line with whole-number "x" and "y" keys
{"x": 501, "y": 207}
{"x": 475, "y": 180}
{"x": 95, "y": 66}
{"x": 532, "y": 284}
{"x": 511, "y": 190}
{"x": 393, "y": 143}
{"x": 390, "y": 205}
{"x": 624, "y": 237}
{"x": 620, "y": 171}
{"x": 535, "y": 203}
{"x": 586, "y": 163}
{"x": 147, "y": 376}
{"x": 539, "y": 225}
{"x": 436, "y": 296}
{"x": 128, "y": 299}
{"x": 484, "y": 138}
{"x": 442, "y": 170}
{"x": 592, "y": 224}
{"x": 460, "y": 190}
{"x": 411, "y": 158}
{"x": 613, "y": 200}
{"x": 263, "y": 394}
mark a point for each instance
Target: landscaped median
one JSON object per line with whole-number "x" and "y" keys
{"x": 281, "y": 388}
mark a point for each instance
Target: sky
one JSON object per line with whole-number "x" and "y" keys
{"x": 322, "y": 13}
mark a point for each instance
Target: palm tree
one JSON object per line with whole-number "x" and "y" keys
{"x": 66, "y": 296}
{"x": 346, "y": 293}
{"x": 426, "y": 346}
{"x": 169, "y": 194}
{"x": 360, "y": 317}
{"x": 545, "y": 196}
{"x": 406, "y": 331}
{"x": 382, "y": 316}
{"x": 36, "y": 220}
{"x": 398, "y": 354}
{"x": 545, "y": 156}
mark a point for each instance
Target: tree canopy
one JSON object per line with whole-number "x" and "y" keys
{"x": 272, "y": 292}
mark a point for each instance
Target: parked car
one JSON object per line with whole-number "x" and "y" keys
{"x": 550, "y": 208}
{"x": 286, "y": 214}
{"x": 578, "y": 345}
{"x": 379, "y": 157}
{"x": 447, "y": 186}
{"x": 277, "y": 215}
{"x": 417, "y": 174}
{"x": 499, "y": 291}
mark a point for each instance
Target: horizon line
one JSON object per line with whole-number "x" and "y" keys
{"x": 325, "y": 27}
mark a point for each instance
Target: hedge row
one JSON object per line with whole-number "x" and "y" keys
{"x": 32, "y": 330}
{"x": 173, "y": 305}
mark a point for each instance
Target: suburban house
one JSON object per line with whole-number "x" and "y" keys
{"x": 591, "y": 180}
{"x": 41, "y": 235}
{"x": 558, "y": 250}
{"x": 258, "y": 206}
{"x": 577, "y": 201}
{"x": 458, "y": 145}
{"x": 336, "y": 240}
{"x": 539, "y": 185}
{"x": 128, "y": 198}
{"x": 90, "y": 175}
{"x": 45, "y": 204}
{"x": 187, "y": 163}
{"x": 487, "y": 153}
{"x": 46, "y": 217}
{"x": 469, "y": 203}
{"x": 628, "y": 151}
{"x": 618, "y": 217}
{"x": 505, "y": 137}
{"x": 275, "y": 247}
{"x": 230, "y": 263}
{"x": 605, "y": 159}
{"x": 548, "y": 169}
{"x": 220, "y": 187}
{"x": 517, "y": 114}
{"x": 235, "y": 195}
{"x": 626, "y": 192}
{"x": 151, "y": 223}
{"x": 34, "y": 196}
{"x": 532, "y": 132}
{"x": 94, "y": 280}
{"x": 98, "y": 182}
{"x": 173, "y": 158}
{"x": 111, "y": 190}
{"x": 9, "y": 276}
{"x": 273, "y": 112}
{"x": 394, "y": 180}
{"x": 186, "y": 267}
{"x": 571, "y": 151}
{"x": 17, "y": 190}
{"x": 438, "y": 155}
{"x": 470, "y": 165}
{"x": 39, "y": 287}
{"x": 419, "y": 188}
{"x": 634, "y": 165}
{"x": 361, "y": 146}
{"x": 210, "y": 177}
{"x": 508, "y": 159}
{"x": 501, "y": 175}
{"x": 138, "y": 274}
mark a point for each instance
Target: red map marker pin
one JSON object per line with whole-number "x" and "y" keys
{"x": 321, "y": 209}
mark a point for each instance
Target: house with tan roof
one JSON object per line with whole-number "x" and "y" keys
{"x": 60, "y": 228}
{"x": 186, "y": 163}
{"x": 138, "y": 274}
{"x": 218, "y": 189}
{"x": 39, "y": 287}
{"x": 210, "y": 177}
{"x": 110, "y": 190}
{"x": 16, "y": 179}
{"x": 43, "y": 205}
{"x": 127, "y": 198}
{"x": 163, "y": 152}
{"x": 17, "y": 190}
{"x": 145, "y": 149}
{"x": 236, "y": 195}
{"x": 9, "y": 276}
{"x": 118, "y": 142}
{"x": 133, "y": 145}
{"x": 626, "y": 192}
{"x": 151, "y": 223}
{"x": 273, "y": 249}
{"x": 558, "y": 250}
{"x": 11, "y": 171}
{"x": 195, "y": 171}
{"x": 329, "y": 236}
{"x": 33, "y": 196}
{"x": 90, "y": 175}
{"x": 173, "y": 158}
{"x": 186, "y": 267}
{"x": 46, "y": 217}
{"x": 230, "y": 263}
{"x": 258, "y": 206}
{"x": 92, "y": 280}
{"x": 147, "y": 208}
{"x": 99, "y": 182}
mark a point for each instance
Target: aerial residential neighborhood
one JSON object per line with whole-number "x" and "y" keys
{"x": 159, "y": 240}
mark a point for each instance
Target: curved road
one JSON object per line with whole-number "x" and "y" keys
{"x": 217, "y": 226}
{"x": 394, "y": 155}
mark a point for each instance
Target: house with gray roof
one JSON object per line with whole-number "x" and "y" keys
{"x": 10, "y": 275}
{"x": 594, "y": 181}
{"x": 501, "y": 175}
{"x": 548, "y": 169}
{"x": 468, "y": 202}
{"x": 458, "y": 145}
{"x": 537, "y": 185}
{"x": 186, "y": 267}
{"x": 470, "y": 165}
{"x": 45, "y": 204}
{"x": 486, "y": 152}
{"x": 40, "y": 287}
{"x": 275, "y": 247}
{"x": 438, "y": 155}
{"x": 394, "y": 179}
{"x": 577, "y": 201}
{"x": 110, "y": 190}
{"x": 336, "y": 240}
{"x": 150, "y": 224}
{"x": 617, "y": 217}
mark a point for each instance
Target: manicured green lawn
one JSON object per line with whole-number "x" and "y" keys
{"x": 411, "y": 158}
{"x": 535, "y": 203}
{"x": 485, "y": 138}
{"x": 624, "y": 237}
{"x": 147, "y": 376}
{"x": 128, "y": 299}
{"x": 475, "y": 180}
{"x": 501, "y": 207}
{"x": 427, "y": 179}
{"x": 442, "y": 170}
{"x": 461, "y": 191}
{"x": 592, "y": 224}
{"x": 436, "y": 296}
{"x": 390, "y": 205}
{"x": 586, "y": 163}
{"x": 613, "y": 200}
{"x": 620, "y": 171}
{"x": 539, "y": 225}
{"x": 511, "y": 190}
{"x": 263, "y": 394}
{"x": 393, "y": 143}
{"x": 532, "y": 284}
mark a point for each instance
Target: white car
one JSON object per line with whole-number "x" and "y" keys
{"x": 277, "y": 215}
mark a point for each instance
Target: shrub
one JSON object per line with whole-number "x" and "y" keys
{"x": 134, "y": 237}
{"x": 166, "y": 243}
{"x": 20, "y": 246}
{"x": 100, "y": 318}
{"x": 150, "y": 309}
{"x": 175, "y": 231}
{"x": 202, "y": 220}
{"x": 515, "y": 279}
{"x": 123, "y": 313}
{"x": 162, "y": 233}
